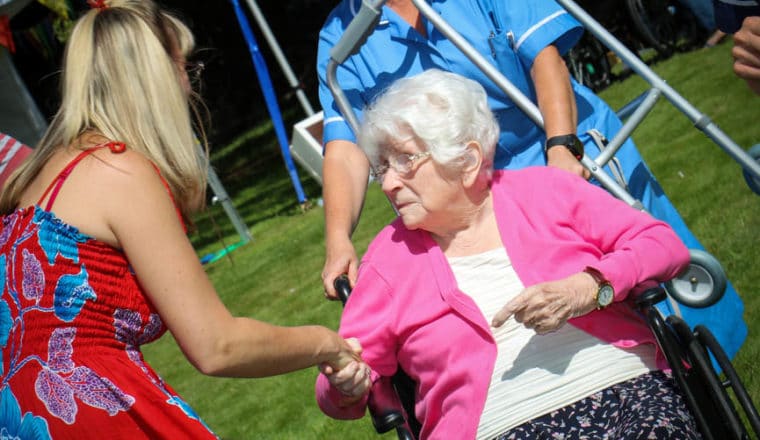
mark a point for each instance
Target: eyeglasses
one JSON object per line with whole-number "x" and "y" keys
{"x": 403, "y": 164}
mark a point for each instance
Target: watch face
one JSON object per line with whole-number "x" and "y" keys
{"x": 577, "y": 148}
{"x": 606, "y": 295}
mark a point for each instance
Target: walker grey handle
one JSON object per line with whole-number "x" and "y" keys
{"x": 699, "y": 119}
{"x": 361, "y": 26}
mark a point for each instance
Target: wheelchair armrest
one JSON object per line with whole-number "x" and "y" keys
{"x": 650, "y": 297}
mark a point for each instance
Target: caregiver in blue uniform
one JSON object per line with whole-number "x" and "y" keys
{"x": 525, "y": 40}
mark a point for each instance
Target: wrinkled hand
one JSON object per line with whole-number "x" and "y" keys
{"x": 561, "y": 157}
{"x": 746, "y": 52}
{"x": 350, "y": 376}
{"x": 340, "y": 259}
{"x": 546, "y": 307}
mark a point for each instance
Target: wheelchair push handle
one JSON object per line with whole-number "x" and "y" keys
{"x": 342, "y": 288}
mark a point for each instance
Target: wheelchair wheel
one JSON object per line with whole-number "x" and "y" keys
{"x": 653, "y": 21}
{"x": 588, "y": 64}
{"x": 752, "y": 181}
{"x": 702, "y": 284}
{"x": 688, "y": 33}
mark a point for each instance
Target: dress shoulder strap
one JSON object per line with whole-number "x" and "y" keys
{"x": 171, "y": 196}
{"x": 57, "y": 183}
{"x": 116, "y": 148}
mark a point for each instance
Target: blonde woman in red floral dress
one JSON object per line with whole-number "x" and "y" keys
{"x": 94, "y": 258}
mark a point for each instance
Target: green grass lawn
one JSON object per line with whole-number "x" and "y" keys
{"x": 276, "y": 277}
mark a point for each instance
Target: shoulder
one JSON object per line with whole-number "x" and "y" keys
{"x": 535, "y": 177}
{"x": 544, "y": 187}
{"x": 126, "y": 176}
{"x": 128, "y": 164}
{"x": 396, "y": 248}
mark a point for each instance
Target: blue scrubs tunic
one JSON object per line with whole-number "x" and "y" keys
{"x": 510, "y": 34}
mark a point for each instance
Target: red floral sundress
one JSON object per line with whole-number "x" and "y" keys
{"x": 72, "y": 319}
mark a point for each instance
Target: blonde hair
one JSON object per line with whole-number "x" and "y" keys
{"x": 121, "y": 79}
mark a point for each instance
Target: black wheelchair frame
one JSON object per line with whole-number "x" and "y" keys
{"x": 391, "y": 400}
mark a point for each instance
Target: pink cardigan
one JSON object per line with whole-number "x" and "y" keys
{"x": 406, "y": 308}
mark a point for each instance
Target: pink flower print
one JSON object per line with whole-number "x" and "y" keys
{"x": 34, "y": 277}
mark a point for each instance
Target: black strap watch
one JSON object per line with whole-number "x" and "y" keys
{"x": 569, "y": 141}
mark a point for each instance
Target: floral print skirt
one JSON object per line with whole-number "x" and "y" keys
{"x": 649, "y": 406}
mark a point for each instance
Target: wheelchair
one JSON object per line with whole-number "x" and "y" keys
{"x": 662, "y": 27}
{"x": 391, "y": 399}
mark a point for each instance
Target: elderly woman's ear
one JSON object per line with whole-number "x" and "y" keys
{"x": 472, "y": 163}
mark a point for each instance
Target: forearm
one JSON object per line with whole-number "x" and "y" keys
{"x": 345, "y": 174}
{"x": 251, "y": 348}
{"x": 555, "y": 96}
{"x": 653, "y": 254}
{"x": 636, "y": 247}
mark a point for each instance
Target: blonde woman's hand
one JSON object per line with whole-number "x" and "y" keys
{"x": 546, "y": 307}
{"x": 351, "y": 376}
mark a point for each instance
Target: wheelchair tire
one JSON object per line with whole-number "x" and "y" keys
{"x": 752, "y": 181}
{"x": 702, "y": 284}
{"x": 588, "y": 64}
{"x": 654, "y": 22}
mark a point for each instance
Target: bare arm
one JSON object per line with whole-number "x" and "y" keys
{"x": 746, "y": 53}
{"x": 345, "y": 173}
{"x": 556, "y": 102}
{"x": 143, "y": 219}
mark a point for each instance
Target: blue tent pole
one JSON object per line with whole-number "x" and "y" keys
{"x": 268, "y": 90}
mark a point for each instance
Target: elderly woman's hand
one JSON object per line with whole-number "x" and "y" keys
{"x": 545, "y": 307}
{"x": 353, "y": 379}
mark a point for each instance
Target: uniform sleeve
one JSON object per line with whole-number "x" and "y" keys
{"x": 537, "y": 24}
{"x": 336, "y": 127}
{"x": 369, "y": 316}
{"x": 637, "y": 249}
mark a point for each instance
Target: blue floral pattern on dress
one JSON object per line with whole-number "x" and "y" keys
{"x": 15, "y": 427}
{"x": 51, "y": 240}
{"x": 71, "y": 292}
{"x": 6, "y": 322}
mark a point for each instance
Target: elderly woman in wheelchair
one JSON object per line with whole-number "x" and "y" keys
{"x": 505, "y": 295}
